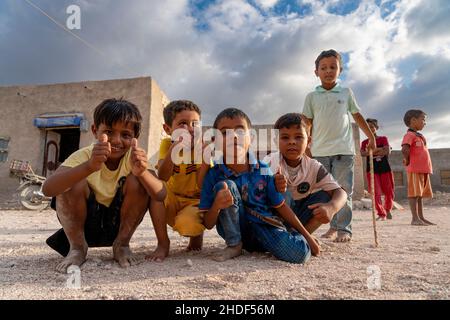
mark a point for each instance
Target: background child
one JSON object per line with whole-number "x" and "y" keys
{"x": 102, "y": 190}
{"x": 417, "y": 160}
{"x": 312, "y": 193}
{"x": 180, "y": 209}
{"x": 238, "y": 199}
{"x": 329, "y": 108}
{"x": 383, "y": 177}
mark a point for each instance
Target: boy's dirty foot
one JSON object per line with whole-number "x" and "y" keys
{"x": 160, "y": 253}
{"x": 380, "y": 218}
{"x": 124, "y": 256}
{"x": 75, "y": 257}
{"x": 343, "y": 237}
{"x": 329, "y": 234}
{"x": 195, "y": 243}
{"x": 418, "y": 222}
{"x": 428, "y": 222}
{"x": 228, "y": 253}
{"x": 389, "y": 215}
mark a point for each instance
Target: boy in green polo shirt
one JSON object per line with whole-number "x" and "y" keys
{"x": 328, "y": 108}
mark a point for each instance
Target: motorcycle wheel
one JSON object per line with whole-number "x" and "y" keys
{"x": 29, "y": 201}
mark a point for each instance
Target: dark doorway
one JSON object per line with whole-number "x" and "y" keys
{"x": 59, "y": 145}
{"x": 69, "y": 143}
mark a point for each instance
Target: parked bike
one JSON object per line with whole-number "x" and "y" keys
{"x": 30, "y": 187}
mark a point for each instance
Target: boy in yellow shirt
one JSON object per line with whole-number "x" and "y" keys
{"x": 184, "y": 178}
{"x": 102, "y": 191}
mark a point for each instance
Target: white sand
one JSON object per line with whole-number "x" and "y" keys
{"x": 414, "y": 264}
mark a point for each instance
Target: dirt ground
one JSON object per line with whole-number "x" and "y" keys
{"x": 411, "y": 263}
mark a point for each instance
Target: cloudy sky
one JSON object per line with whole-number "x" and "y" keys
{"x": 256, "y": 54}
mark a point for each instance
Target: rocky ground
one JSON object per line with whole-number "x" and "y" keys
{"x": 410, "y": 263}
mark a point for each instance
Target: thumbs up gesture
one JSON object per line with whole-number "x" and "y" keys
{"x": 280, "y": 181}
{"x": 138, "y": 159}
{"x": 100, "y": 153}
{"x": 224, "y": 199}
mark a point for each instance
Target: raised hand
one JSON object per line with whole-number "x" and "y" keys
{"x": 280, "y": 181}
{"x": 138, "y": 159}
{"x": 100, "y": 153}
{"x": 224, "y": 199}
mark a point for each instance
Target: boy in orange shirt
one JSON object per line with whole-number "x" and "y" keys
{"x": 417, "y": 160}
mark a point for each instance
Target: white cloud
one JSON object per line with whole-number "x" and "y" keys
{"x": 266, "y": 4}
{"x": 263, "y": 63}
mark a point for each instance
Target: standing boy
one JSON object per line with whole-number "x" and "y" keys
{"x": 329, "y": 108}
{"x": 417, "y": 160}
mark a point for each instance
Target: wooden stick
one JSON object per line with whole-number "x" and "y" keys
{"x": 372, "y": 183}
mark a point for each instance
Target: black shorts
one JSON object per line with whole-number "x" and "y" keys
{"x": 101, "y": 226}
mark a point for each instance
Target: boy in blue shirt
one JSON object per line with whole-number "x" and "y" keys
{"x": 238, "y": 199}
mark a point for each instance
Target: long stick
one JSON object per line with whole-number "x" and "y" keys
{"x": 372, "y": 193}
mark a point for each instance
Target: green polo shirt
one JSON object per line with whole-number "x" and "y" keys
{"x": 332, "y": 127}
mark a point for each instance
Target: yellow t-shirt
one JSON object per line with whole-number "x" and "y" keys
{"x": 183, "y": 181}
{"x": 103, "y": 182}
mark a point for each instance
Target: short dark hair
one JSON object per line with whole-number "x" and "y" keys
{"x": 372, "y": 121}
{"x": 327, "y": 54}
{"x": 176, "y": 106}
{"x": 413, "y": 113}
{"x": 292, "y": 119}
{"x": 232, "y": 113}
{"x": 111, "y": 111}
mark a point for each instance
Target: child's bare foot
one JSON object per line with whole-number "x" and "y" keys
{"x": 418, "y": 222}
{"x": 329, "y": 234}
{"x": 160, "y": 253}
{"x": 228, "y": 253}
{"x": 428, "y": 222}
{"x": 343, "y": 237}
{"x": 195, "y": 243}
{"x": 389, "y": 215}
{"x": 381, "y": 218}
{"x": 75, "y": 257}
{"x": 124, "y": 256}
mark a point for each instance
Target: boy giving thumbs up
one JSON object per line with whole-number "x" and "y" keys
{"x": 102, "y": 191}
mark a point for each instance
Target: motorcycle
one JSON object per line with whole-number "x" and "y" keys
{"x": 30, "y": 187}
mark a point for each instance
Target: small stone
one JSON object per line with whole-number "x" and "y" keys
{"x": 189, "y": 262}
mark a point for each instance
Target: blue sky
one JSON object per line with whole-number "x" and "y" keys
{"x": 256, "y": 54}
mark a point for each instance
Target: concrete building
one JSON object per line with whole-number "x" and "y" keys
{"x": 28, "y": 131}
{"x": 440, "y": 179}
{"x": 43, "y": 124}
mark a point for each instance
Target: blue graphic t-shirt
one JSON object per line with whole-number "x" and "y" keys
{"x": 257, "y": 190}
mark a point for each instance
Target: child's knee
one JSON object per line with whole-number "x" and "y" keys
{"x": 134, "y": 188}
{"x": 189, "y": 225}
{"x": 322, "y": 197}
{"x": 72, "y": 196}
